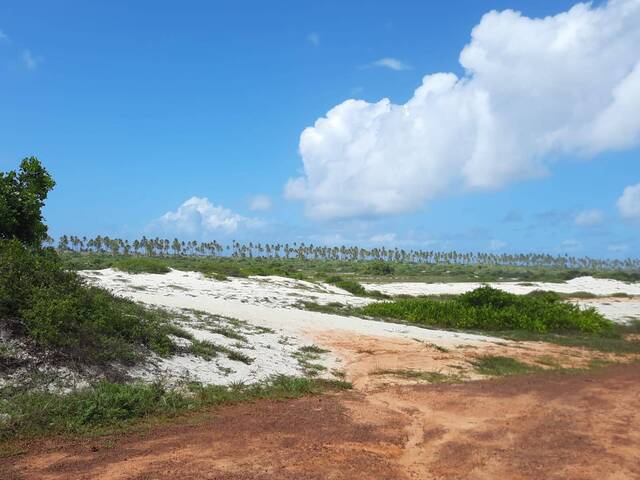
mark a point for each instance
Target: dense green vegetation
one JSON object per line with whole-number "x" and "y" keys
{"x": 310, "y": 269}
{"x": 373, "y": 262}
{"x": 490, "y": 309}
{"x": 112, "y": 405}
{"x": 22, "y": 196}
{"x": 55, "y": 309}
{"x": 51, "y": 306}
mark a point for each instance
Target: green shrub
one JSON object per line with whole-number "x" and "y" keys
{"x": 141, "y": 265}
{"x": 377, "y": 267}
{"x": 490, "y": 309}
{"x": 24, "y": 268}
{"x": 58, "y": 311}
{"x": 350, "y": 286}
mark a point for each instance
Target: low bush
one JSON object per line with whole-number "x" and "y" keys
{"x": 490, "y": 309}
{"x": 58, "y": 311}
{"x": 141, "y": 265}
{"x": 350, "y": 286}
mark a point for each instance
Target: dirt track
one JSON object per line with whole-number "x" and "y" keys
{"x": 547, "y": 426}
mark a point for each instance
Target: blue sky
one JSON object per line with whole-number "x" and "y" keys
{"x": 136, "y": 107}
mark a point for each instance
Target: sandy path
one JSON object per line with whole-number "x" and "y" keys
{"x": 548, "y": 426}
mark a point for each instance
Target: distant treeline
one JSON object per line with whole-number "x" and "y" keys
{"x": 164, "y": 247}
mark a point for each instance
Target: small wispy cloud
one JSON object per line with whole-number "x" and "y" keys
{"x": 513, "y": 216}
{"x": 30, "y": 61}
{"x": 390, "y": 63}
{"x": 497, "y": 244}
{"x": 3, "y": 36}
{"x": 260, "y": 203}
{"x": 589, "y": 218}
{"x": 570, "y": 245}
{"x": 383, "y": 238}
{"x": 618, "y": 247}
{"x": 314, "y": 39}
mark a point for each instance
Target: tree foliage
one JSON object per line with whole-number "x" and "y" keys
{"x": 22, "y": 196}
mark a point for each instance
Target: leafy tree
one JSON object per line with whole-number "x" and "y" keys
{"x": 22, "y": 196}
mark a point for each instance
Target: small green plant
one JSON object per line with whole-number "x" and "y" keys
{"x": 431, "y": 377}
{"x": 312, "y": 349}
{"x": 106, "y": 406}
{"x": 498, "y": 366}
{"x": 306, "y": 356}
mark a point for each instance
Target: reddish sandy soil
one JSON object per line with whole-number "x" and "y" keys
{"x": 543, "y": 426}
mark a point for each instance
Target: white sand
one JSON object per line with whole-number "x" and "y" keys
{"x": 263, "y": 302}
{"x": 274, "y": 302}
{"x": 597, "y": 286}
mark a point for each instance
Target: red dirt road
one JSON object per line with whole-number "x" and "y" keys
{"x": 547, "y": 426}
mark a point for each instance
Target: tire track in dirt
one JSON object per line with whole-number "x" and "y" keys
{"x": 549, "y": 425}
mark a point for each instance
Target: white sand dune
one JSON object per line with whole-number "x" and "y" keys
{"x": 596, "y": 286}
{"x": 275, "y": 327}
{"x": 260, "y": 302}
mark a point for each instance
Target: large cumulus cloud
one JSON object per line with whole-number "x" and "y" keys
{"x": 534, "y": 89}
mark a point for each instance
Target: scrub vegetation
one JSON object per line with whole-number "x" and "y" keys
{"x": 490, "y": 309}
{"x": 47, "y": 305}
{"x": 108, "y": 406}
{"x": 44, "y": 302}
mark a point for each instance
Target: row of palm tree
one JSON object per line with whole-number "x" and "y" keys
{"x": 164, "y": 247}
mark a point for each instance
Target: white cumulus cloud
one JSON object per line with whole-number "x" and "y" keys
{"x": 533, "y": 88}
{"x": 199, "y": 215}
{"x": 260, "y": 203}
{"x": 588, "y": 218}
{"x": 629, "y": 202}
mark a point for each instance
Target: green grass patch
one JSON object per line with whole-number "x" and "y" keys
{"x": 354, "y": 288}
{"x": 108, "y": 406}
{"x": 307, "y": 356}
{"x": 490, "y": 309}
{"x": 359, "y": 271}
{"x": 209, "y": 350}
{"x": 313, "y": 349}
{"x": 613, "y": 342}
{"x": 498, "y": 366}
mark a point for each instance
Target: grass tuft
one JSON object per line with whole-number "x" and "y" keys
{"x": 494, "y": 365}
{"x": 431, "y": 377}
